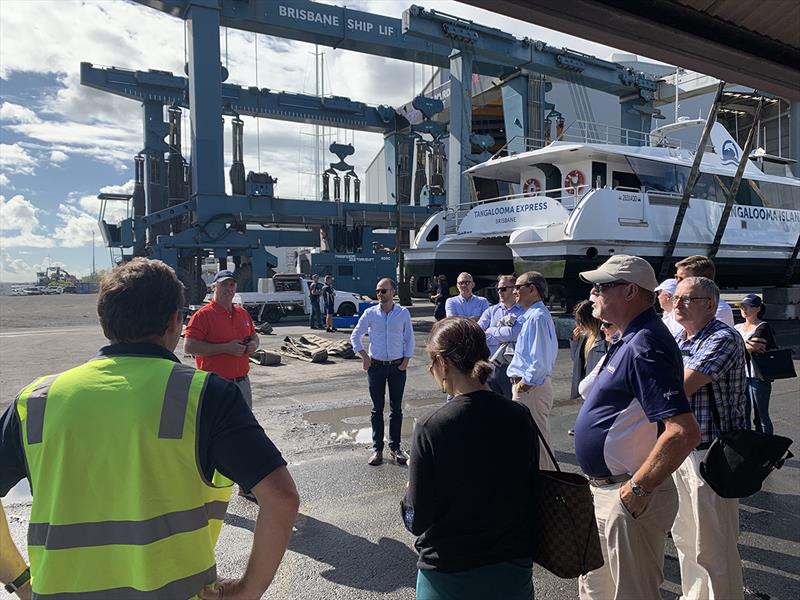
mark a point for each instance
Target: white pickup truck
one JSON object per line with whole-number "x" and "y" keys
{"x": 287, "y": 294}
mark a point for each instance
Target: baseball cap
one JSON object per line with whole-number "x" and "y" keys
{"x": 622, "y": 266}
{"x": 752, "y": 300}
{"x": 668, "y": 285}
{"x": 223, "y": 275}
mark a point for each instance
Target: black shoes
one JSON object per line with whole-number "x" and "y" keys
{"x": 399, "y": 456}
{"x": 376, "y": 458}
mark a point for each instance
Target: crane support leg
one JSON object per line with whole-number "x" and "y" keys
{"x": 737, "y": 180}
{"x": 460, "y": 126}
{"x": 694, "y": 174}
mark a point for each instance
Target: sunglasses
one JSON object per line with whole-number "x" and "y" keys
{"x": 463, "y": 282}
{"x": 381, "y": 291}
{"x": 605, "y": 325}
{"x": 601, "y": 287}
{"x": 688, "y": 299}
{"x": 504, "y": 288}
{"x": 519, "y": 286}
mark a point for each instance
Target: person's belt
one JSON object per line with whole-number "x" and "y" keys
{"x": 386, "y": 363}
{"x": 603, "y": 481}
{"x": 238, "y": 379}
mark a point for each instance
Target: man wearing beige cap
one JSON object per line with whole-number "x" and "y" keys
{"x": 638, "y": 393}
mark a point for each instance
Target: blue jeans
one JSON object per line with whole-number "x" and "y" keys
{"x": 315, "y": 320}
{"x": 378, "y": 377}
{"x": 759, "y": 393}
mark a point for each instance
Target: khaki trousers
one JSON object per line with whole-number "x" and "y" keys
{"x": 633, "y": 549}
{"x": 539, "y": 400}
{"x": 706, "y": 532}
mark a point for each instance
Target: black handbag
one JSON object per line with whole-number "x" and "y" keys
{"x": 565, "y": 538}
{"x": 737, "y": 462}
{"x": 773, "y": 364}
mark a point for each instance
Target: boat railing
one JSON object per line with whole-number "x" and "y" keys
{"x": 588, "y": 132}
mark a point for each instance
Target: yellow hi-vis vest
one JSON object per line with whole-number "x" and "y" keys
{"x": 121, "y": 509}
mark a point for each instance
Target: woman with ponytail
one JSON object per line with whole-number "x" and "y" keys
{"x": 472, "y": 464}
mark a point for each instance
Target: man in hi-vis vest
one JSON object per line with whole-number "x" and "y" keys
{"x": 131, "y": 457}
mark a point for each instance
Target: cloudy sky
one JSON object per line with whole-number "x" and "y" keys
{"x": 62, "y": 143}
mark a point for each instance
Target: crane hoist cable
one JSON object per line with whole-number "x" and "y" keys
{"x": 258, "y": 121}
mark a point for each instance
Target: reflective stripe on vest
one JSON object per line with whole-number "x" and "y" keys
{"x": 111, "y": 448}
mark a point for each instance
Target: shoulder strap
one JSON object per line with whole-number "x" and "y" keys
{"x": 714, "y": 411}
{"x": 546, "y": 447}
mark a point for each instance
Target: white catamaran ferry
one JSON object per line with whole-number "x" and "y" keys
{"x": 567, "y": 207}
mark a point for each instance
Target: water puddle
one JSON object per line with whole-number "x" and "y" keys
{"x": 19, "y": 494}
{"x": 352, "y": 423}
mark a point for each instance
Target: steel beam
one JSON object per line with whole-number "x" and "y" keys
{"x": 205, "y": 98}
{"x": 458, "y": 142}
{"x": 168, "y": 89}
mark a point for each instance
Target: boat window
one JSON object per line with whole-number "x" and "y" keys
{"x": 747, "y": 195}
{"x": 433, "y": 234}
{"x": 654, "y": 175}
{"x": 708, "y": 188}
{"x": 775, "y": 195}
{"x": 622, "y": 179}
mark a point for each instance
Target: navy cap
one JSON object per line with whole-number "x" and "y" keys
{"x": 223, "y": 275}
{"x": 752, "y": 300}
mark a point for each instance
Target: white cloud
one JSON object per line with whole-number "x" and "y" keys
{"x": 15, "y": 159}
{"x": 15, "y": 113}
{"x": 4, "y": 181}
{"x": 76, "y": 228}
{"x": 15, "y": 266}
{"x": 115, "y": 211}
{"x": 18, "y": 216}
{"x": 57, "y": 156}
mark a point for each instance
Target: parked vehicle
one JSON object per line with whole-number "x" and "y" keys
{"x": 287, "y": 294}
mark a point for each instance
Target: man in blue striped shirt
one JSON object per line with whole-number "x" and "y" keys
{"x": 502, "y": 325}
{"x": 391, "y": 346}
{"x": 534, "y": 355}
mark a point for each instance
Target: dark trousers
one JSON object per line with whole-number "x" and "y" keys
{"x": 499, "y": 381}
{"x": 378, "y": 377}
{"x": 759, "y": 392}
{"x": 315, "y": 320}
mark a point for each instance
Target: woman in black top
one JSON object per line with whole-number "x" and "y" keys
{"x": 470, "y": 472}
{"x": 440, "y": 297}
{"x": 758, "y": 337}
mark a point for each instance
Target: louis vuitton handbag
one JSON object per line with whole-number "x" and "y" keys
{"x": 565, "y": 538}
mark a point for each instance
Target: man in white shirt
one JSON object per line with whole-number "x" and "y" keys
{"x": 665, "y": 291}
{"x": 702, "y": 266}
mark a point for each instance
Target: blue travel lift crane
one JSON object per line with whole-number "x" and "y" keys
{"x": 218, "y": 222}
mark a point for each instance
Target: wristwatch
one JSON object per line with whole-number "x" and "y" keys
{"x": 19, "y": 581}
{"x": 638, "y": 490}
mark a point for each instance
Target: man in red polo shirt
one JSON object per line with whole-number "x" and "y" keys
{"x": 221, "y": 335}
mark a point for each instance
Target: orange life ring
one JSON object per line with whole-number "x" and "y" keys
{"x": 531, "y": 187}
{"x": 574, "y": 182}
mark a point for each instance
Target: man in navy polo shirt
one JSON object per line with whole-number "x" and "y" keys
{"x": 635, "y": 428}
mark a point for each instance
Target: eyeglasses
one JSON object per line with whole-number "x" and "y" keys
{"x": 463, "y": 282}
{"x": 688, "y": 299}
{"x": 601, "y": 287}
{"x": 381, "y": 291}
{"x": 519, "y": 286}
